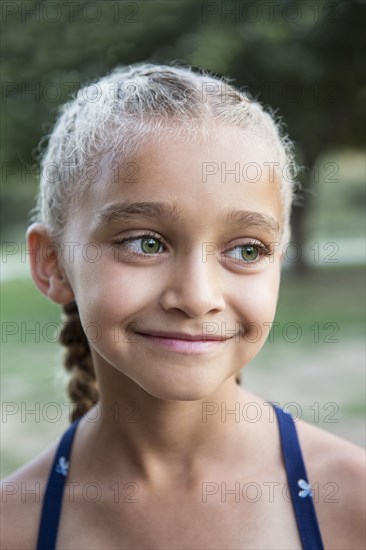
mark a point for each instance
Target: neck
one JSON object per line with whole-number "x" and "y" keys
{"x": 164, "y": 440}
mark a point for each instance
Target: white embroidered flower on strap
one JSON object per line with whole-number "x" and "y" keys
{"x": 62, "y": 466}
{"x": 306, "y": 488}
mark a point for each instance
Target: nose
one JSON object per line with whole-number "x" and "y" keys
{"x": 193, "y": 286}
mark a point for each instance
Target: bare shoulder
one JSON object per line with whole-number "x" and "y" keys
{"x": 336, "y": 470}
{"x": 21, "y": 501}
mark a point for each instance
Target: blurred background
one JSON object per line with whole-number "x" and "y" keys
{"x": 305, "y": 59}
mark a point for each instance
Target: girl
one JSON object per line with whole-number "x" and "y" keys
{"x": 163, "y": 211}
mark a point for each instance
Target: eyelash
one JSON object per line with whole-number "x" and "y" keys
{"x": 264, "y": 249}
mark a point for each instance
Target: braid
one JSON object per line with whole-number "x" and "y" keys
{"x": 82, "y": 387}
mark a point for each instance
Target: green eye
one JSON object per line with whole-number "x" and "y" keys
{"x": 150, "y": 245}
{"x": 249, "y": 252}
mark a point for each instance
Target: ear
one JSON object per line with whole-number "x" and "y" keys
{"x": 46, "y": 267}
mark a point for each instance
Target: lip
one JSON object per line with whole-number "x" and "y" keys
{"x": 183, "y": 336}
{"x": 184, "y": 343}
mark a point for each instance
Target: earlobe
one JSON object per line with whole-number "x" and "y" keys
{"x": 46, "y": 267}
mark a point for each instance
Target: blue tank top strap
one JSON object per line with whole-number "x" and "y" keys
{"x": 300, "y": 489}
{"x": 52, "y": 502}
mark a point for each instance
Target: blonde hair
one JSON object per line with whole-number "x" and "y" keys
{"x": 115, "y": 117}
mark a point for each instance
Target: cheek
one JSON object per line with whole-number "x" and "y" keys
{"x": 257, "y": 298}
{"x": 255, "y": 307}
{"x": 110, "y": 293}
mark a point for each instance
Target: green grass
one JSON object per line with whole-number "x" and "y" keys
{"x": 335, "y": 295}
{"x": 22, "y": 301}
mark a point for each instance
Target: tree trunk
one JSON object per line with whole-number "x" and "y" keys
{"x": 300, "y": 216}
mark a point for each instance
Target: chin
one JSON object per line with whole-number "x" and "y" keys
{"x": 190, "y": 390}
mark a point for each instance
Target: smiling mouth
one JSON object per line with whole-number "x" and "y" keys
{"x": 185, "y": 343}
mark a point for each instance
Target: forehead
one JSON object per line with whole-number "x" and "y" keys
{"x": 204, "y": 179}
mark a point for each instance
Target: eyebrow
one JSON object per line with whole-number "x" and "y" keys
{"x": 256, "y": 219}
{"x": 126, "y": 210}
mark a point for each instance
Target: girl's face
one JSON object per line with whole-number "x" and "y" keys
{"x": 212, "y": 212}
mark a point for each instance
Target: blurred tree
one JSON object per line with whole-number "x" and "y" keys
{"x": 318, "y": 67}
{"x": 303, "y": 58}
